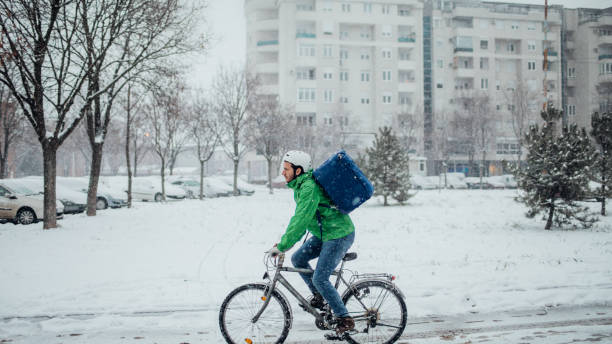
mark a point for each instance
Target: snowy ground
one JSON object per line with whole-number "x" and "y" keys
{"x": 169, "y": 266}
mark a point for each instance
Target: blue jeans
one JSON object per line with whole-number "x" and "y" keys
{"x": 330, "y": 254}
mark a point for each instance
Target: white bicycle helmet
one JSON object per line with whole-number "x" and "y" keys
{"x": 299, "y": 159}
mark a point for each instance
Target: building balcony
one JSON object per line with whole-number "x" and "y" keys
{"x": 552, "y": 54}
{"x": 464, "y": 72}
{"x": 605, "y": 57}
{"x": 270, "y": 67}
{"x": 267, "y": 42}
{"x": 407, "y": 86}
{"x": 464, "y": 50}
{"x": 603, "y": 39}
{"x": 305, "y": 35}
{"x": 268, "y": 89}
{"x": 604, "y": 78}
{"x": 406, "y": 64}
{"x": 407, "y": 38}
{"x": 267, "y": 25}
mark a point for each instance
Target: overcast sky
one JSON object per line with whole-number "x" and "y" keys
{"x": 225, "y": 18}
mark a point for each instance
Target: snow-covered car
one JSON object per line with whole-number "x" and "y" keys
{"x": 71, "y": 207}
{"x": 454, "y": 180}
{"x": 214, "y": 187}
{"x": 104, "y": 199}
{"x": 244, "y": 188}
{"x": 191, "y": 187}
{"x": 19, "y": 204}
{"x": 279, "y": 182}
{"x": 150, "y": 190}
{"x": 424, "y": 183}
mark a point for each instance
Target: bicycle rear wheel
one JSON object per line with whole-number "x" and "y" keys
{"x": 239, "y": 308}
{"x": 379, "y": 312}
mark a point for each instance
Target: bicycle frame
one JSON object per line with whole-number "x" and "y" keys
{"x": 279, "y": 278}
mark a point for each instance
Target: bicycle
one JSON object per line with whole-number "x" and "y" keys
{"x": 261, "y": 313}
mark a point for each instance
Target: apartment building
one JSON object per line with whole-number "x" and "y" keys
{"x": 366, "y": 63}
{"x": 357, "y": 62}
{"x": 588, "y": 57}
{"x": 492, "y": 52}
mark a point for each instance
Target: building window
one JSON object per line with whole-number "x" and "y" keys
{"x": 484, "y": 63}
{"x": 386, "y": 9}
{"x": 328, "y": 28}
{"x": 510, "y": 47}
{"x": 386, "y": 30}
{"x": 343, "y": 54}
{"x": 306, "y": 50}
{"x": 571, "y": 110}
{"x": 531, "y": 65}
{"x": 514, "y": 26}
{"x": 484, "y": 83}
{"x": 386, "y": 99}
{"x": 365, "y": 76}
{"x": 440, "y": 63}
{"x": 497, "y": 107}
{"x": 531, "y": 45}
{"x": 386, "y": 75}
{"x": 365, "y": 100}
{"x": 511, "y": 107}
{"x": 484, "y": 45}
{"x": 327, "y": 6}
{"x": 439, "y": 86}
{"x": 386, "y": 54}
{"x": 571, "y": 72}
{"x": 508, "y": 148}
{"x": 328, "y": 96}
{"x": 306, "y": 118}
{"x": 344, "y": 100}
{"x": 305, "y": 74}
{"x": 328, "y": 51}
{"x": 306, "y": 95}
{"x": 346, "y": 8}
{"x": 304, "y": 7}
{"x": 344, "y": 75}
{"x": 367, "y": 7}
{"x": 344, "y": 35}
{"x": 365, "y": 55}
{"x": 328, "y": 75}
{"x": 497, "y": 85}
{"x": 531, "y": 26}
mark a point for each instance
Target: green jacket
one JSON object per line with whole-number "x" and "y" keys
{"x": 308, "y": 196}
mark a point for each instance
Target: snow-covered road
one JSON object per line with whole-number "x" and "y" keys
{"x": 454, "y": 252}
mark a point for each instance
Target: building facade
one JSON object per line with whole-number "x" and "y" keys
{"x": 437, "y": 63}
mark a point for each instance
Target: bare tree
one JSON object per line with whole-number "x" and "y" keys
{"x": 441, "y": 148}
{"x": 11, "y": 128}
{"x": 271, "y": 125}
{"x": 475, "y": 124}
{"x": 233, "y": 92}
{"x": 123, "y": 36}
{"x": 408, "y": 126}
{"x": 521, "y": 101}
{"x": 166, "y": 120}
{"x": 203, "y": 129}
{"x": 40, "y": 41}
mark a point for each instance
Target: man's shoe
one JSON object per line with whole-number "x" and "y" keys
{"x": 317, "y": 301}
{"x": 344, "y": 324}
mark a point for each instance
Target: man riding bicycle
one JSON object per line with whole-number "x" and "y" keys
{"x": 332, "y": 232}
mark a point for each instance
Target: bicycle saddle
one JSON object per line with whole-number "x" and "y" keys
{"x": 350, "y": 256}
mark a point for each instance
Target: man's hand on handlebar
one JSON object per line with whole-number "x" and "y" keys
{"x": 274, "y": 251}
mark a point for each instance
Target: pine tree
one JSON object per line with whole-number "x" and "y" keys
{"x": 602, "y": 133}
{"x": 556, "y": 176}
{"x": 387, "y": 167}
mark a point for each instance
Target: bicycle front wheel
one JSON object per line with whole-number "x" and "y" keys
{"x": 379, "y": 312}
{"x": 239, "y": 308}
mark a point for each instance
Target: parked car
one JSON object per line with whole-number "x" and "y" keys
{"x": 73, "y": 208}
{"x": 244, "y": 188}
{"x": 19, "y": 204}
{"x": 454, "y": 180}
{"x": 104, "y": 199}
{"x": 424, "y": 183}
{"x": 149, "y": 190}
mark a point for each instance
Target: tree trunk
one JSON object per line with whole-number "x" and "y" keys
{"x": 603, "y": 196}
{"x": 551, "y": 212}
{"x": 270, "y": 175}
{"x": 236, "y": 161}
{"x": 202, "y": 179}
{"x": 481, "y": 169}
{"x": 127, "y": 151}
{"x": 385, "y": 198}
{"x": 135, "y": 156}
{"x": 163, "y": 178}
{"x": 94, "y": 176}
{"x": 3, "y": 160}
{"x": 50, "y": 173}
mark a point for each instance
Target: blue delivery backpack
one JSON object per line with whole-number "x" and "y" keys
{"x": 343, "y": 182}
